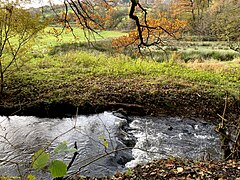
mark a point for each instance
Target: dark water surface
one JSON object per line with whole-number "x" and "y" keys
{"x": 161, "y": 137}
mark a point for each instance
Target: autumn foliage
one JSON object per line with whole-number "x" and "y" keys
{"x": 161, "y": 28}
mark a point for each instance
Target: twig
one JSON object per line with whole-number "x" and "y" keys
{"x": 74, "y": 156}
{"x": 109, "y": 134}
{"x": 225, "y": 105}
{"x": 50, "y": 143}
{"x": 6, "y": 140}
{"x": 141, "y": 27}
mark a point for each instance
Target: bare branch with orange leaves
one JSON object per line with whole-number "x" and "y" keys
{"x": 152, "y": 32}
{"x": 94, "y": 15}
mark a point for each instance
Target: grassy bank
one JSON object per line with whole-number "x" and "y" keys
{"x": 54, "y": 85}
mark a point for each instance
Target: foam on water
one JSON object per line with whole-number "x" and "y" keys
{"x": 167, "y": 136}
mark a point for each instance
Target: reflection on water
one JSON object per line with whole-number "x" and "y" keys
{"x": 21, "y": 136}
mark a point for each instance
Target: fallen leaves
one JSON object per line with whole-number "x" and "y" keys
{"x": 185, "y": 169}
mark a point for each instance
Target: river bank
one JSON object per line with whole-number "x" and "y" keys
{"x": 174, "y": 168}
{"x": 56, "y": 85}
{"x": 136, "y": 96}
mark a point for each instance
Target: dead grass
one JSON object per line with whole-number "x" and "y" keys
{"x": 215, "y": 66}
{"x": 236, "y": 61}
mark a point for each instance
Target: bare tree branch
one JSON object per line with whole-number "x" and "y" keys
{"x": 140, "y": 27}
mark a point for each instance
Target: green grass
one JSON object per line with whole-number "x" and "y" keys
{"x": 61, "y": 60}
{"x": 56, "y": 36}
{"x": 202, "y": 50}
{"x": 73, "y": 73}
{"x": 77, "y": 65}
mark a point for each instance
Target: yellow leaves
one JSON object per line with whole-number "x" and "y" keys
{"x": 105, "y": 142}
{"x": 31, "y": 177}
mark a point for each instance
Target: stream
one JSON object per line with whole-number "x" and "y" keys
{"x": 96, "y": 135}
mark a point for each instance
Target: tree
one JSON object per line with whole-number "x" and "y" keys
{"x": 160, "y": 27}
{"x": 224, "y": 22}
{"x": 147, "y": 31}
{"x": 154, "y": 28}
{"x": 17, "y": 28}
{"x": 193, "y": 11}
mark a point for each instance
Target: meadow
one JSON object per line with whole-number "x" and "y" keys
{"x": 64, "y": 70}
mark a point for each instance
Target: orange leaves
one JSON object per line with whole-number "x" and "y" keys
{"x": 123, "y": 41}
{"x": 163, "y": 26}
{"x": 179, "y": 7}
{"x": 97, "y": 18}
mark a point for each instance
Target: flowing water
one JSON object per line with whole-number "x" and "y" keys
{"x": 153, "y": 138}
{"x": 173, "y": 136}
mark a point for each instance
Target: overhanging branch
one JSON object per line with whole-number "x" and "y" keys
{"x": 140, "y": 27}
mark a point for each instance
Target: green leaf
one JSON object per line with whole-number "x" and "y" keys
{"x": 101, "y": 137}
{"x": 72, "y": 150}
{"x": 40, "y": 159}
{"x": 31, "y": 177}
{"x": 105, "y": 143}
{"x": 62, "y": 147}
{"x": 58, "y": 168}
